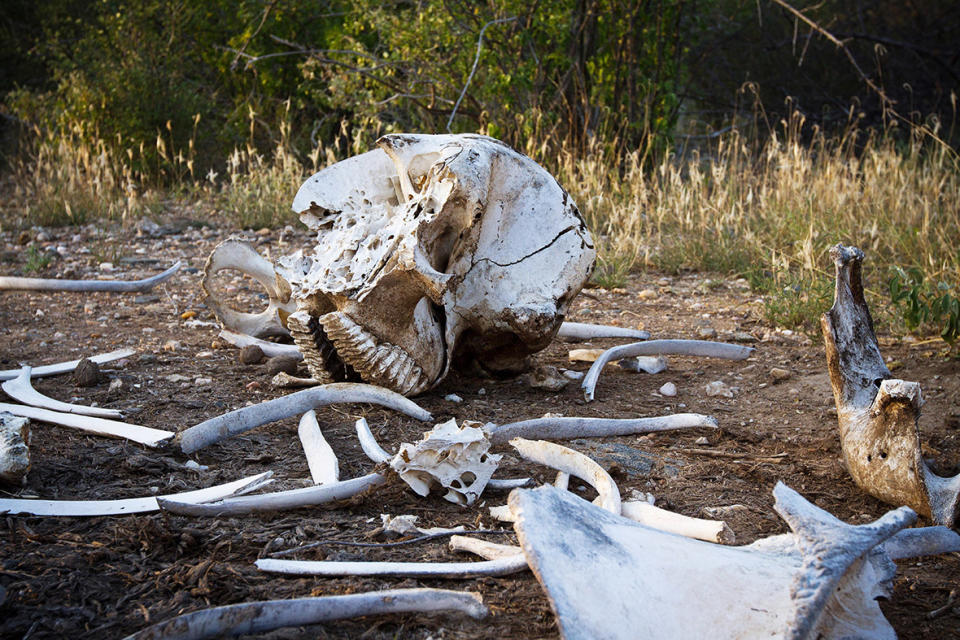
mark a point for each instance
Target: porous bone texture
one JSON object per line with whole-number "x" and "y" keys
{"x": 14, "y": 449}
{"x": 432, "y": 249}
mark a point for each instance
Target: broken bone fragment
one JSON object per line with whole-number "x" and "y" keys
{"x": 14, "y": 448}
{"x": 448, "y": 457}
{"x": 137, "y": 433}
{"x": 321, "y": 460}
{"x": 431, "y": 251}
{"x": 821, "y": 580}
{"x": 877, "y": 415}
{"x": 260, "y": 617}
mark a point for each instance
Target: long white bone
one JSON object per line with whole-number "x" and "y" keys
{"x": 576, "y": 464}
{"x": 500, "y": 567}
{"x": 144, "y": 435}
{"x": 701, "y": 348}
{"x": 483, "y": 548}
{"x": 584, "y": 331}
{"x": 242, "y": 420}
{"x": 270, "y": 349}
{"x": 568, "y": 428}
{"x": 657, "y": 518}
{"x": 322, "y": 461}
{"x": 11, "y": 283}
{"x": 277, "y": 501}
{"x": 260, "y": 617}
{"x": 20, "y": 389}
{"x": 122, "y": 506}
{"x": 67, "y": 367}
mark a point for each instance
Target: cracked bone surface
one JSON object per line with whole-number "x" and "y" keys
{"x": 878, "y": 415}
{"x": 432, "y": 250}
{"x": 607, "y": 577}
{"x": 14, "y": 448}
{"x": 454, "y": 458}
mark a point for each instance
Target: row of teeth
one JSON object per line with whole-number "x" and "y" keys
{"x": 335, "y": 348}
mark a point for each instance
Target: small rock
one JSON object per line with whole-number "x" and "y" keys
{"x": 87, "y": 373}
{"x": 202, "y": 382}
{"x": 39, "y": 313}
{"x": 893, "y": 365}
{"x": 453, "y": 398}
{"x": 573, "y": 375}
{"x": 115, "y": 385}
{"x": 265, "y": 231}
{"x": 147, "y": 358}
{"x": 171, "y": 345}
{"x": 186, "y": 315}
{"x": 481, "y": 391}
{"x": 743, "y": 336}
{"x": 719, "y": 388}
{"x": 43, "y": 236}
{"x": 176, "y": 377}
{"x": 89, "y": 307}
{"x": 779, "y": 375}
{"x": 668, "y": 389}
{"x": 196, "y": 466}
{"x": 647, "y": 294}
{"x": 707, "y": 333}
{"x": 286, "y": 364}
{"x": 702, "y": 441}
{"x": 146, "y": 299}
{"x": 204, "y": 355}
{"x": 545, "y": 377}
{"x": 253, "y": 386}
{"x": 106, "y": 266}
{"x": 647, "y": 364}
{"x": 251, "y": 354}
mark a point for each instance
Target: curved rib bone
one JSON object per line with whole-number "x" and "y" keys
{"x": 584, "y": 331}
{"x": 259, "y": 617}
{"x": 572, "y": 427}
{"x": 878, "y": 415}
{"x": 239, "y": 255}
{"x": 19, "y": 389}
{"x": 576, "y": 464}
{"x": 277, "y": 501}
{"x": 67, "y": 367}
{"x": 242, "y": 420}
{"x": 270, "y": 349}
{"x": 369, "y": 443}
{"x": 322, "y": 461}
{"x": 101, "y": 426}
{"x": 10, "y": 283}
{"x": 502, "y": 567}
{"x": 702, "y": 348}
{"x": 128, "y": 505}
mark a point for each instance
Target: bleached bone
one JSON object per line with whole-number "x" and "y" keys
{"x": 14, "y": 448}
{"x": 322, "y": 461}
{"x": 568, "y": 428}
{"x": 67, "y": 367}
{"x": 277, "y": 501}
{"x": 583, "y": 331}
{"x": 657, "y": 518}
{"x": 508, "y": 484}
{"x": 562, "y": 481}
{"x": 701, "y": 348}
{"x": 430, "y": 246}
{"x": 101, "y": 426}
{"x": 242, "y": 420}
{"x": 240, "y": 256}
{"x": 574, "y": 463}
{"x": 483, "y": 548}
{"x": 122, "y": 506}
{"x": 284, "y": 380}
{"x": 456, "y": 459}
{"x": 502, "y": 513}
{"x": 821, "y": 581}
{"x": 460, "y": 570}
{"x": 270, "y": 349}
{"x": 10, "y": 283}
{"x": 260, "y": 617}
{"x": 647, "y": 364}
{"x": 878, "y": 415}
{"x": 20, "y": 389}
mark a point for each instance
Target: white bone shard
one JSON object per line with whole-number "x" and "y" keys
{"x": 238, "y": 255}
{"x": 242, "y": 420}
{"x": 10, "y": 283}
{"x": 123, "y": 506}
{"x": 101, "y": 426}
{"x": 67, "y": 367}
{"x": 879, "y": 434}
{"x": 454, "y": 458}
{"x": 702, "y": 348}
{"x": 14, "y": 448}
{"x": 433, "y": 249}
{"x": 369, "y": 443}
{"x": 268, "y": 615}
{"x": 583, "y": 331}
{"x": 270, "y": 349}
{"x": 460, "y": 570}
{"x": 821, "y": 581}
{"x": 574, "y": 463}
{"x": 657, "y": 518}
{"x": 284, "y": 380}
{"x": 483, "y": 548}
{"x": 568, "y": 428}
{"x": 322, "y": 461}
{"x": 20, "y": 389}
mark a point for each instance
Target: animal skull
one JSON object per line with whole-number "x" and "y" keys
{"x": 430, "y": 249}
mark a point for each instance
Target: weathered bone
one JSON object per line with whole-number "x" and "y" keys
{"x": 820, "y": 581}
{"x": 14, "y": 448}
{"x": 20, "y": 389}
{"x": 284, "y": 380}
{"x": 270, "y": 349}
{"x": 260, "y": 617}
{"x": 239, "y": 255}
{"x": 701, "y": 348}
{"x": 322, "y": 461}
{"x": 459, "y": 570}
{"x": 568, "y": 428}
{"x": 242, "y": 420}
{"x": 10, "y": 283}
{"x": 878, "y": 415}
{"x": 67, "y": 367}
{"x": 483, "y": 548}
{"x": 574, "y": 463}
{"x": 122, "y": 506}
{"x": 101, "y": 426}
{"x": 657, "y": 518}
{"x": 583, "y": 331}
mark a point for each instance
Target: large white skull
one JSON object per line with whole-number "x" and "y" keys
{"x": 429, "y": 249}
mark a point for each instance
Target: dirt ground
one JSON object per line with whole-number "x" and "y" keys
{"x": 110, "y": 576}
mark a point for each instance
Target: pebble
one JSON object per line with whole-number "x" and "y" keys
{"x": 202, "y": 382}
{"x": 253, "y": 386}
{"x": 573, "y": 375}
{"x": 481, "y": 391}
{"x": 203, "y": 355}
{"x": 668, "y": 389}
{"x": 286, "y": 364}
{"x": 647, "y": 294}
{"x": 89, "y": 307}
{"x": 707, "y": 332}
{"x": 719, "y": 388}
{"x": 743, "y": 336}
{"x": 545, "y": 377}
{"x": 779, "y": 375}
{"x": 115, "y": 385}
{"x": 251, "y": 354}
{"x": 147, "y": 299}
{"x": 106, "y": 266}
{"x": 702, "y": 441}
{"x": 176, "y": 377}
{"x": 171, "y": 345}
{"x": 87, "y": 373}
{"x": 453, "y": 398}
{"x": 196, "y": 466}
{"x": 147, "y": 358}
{"x": 186, "y": 315}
